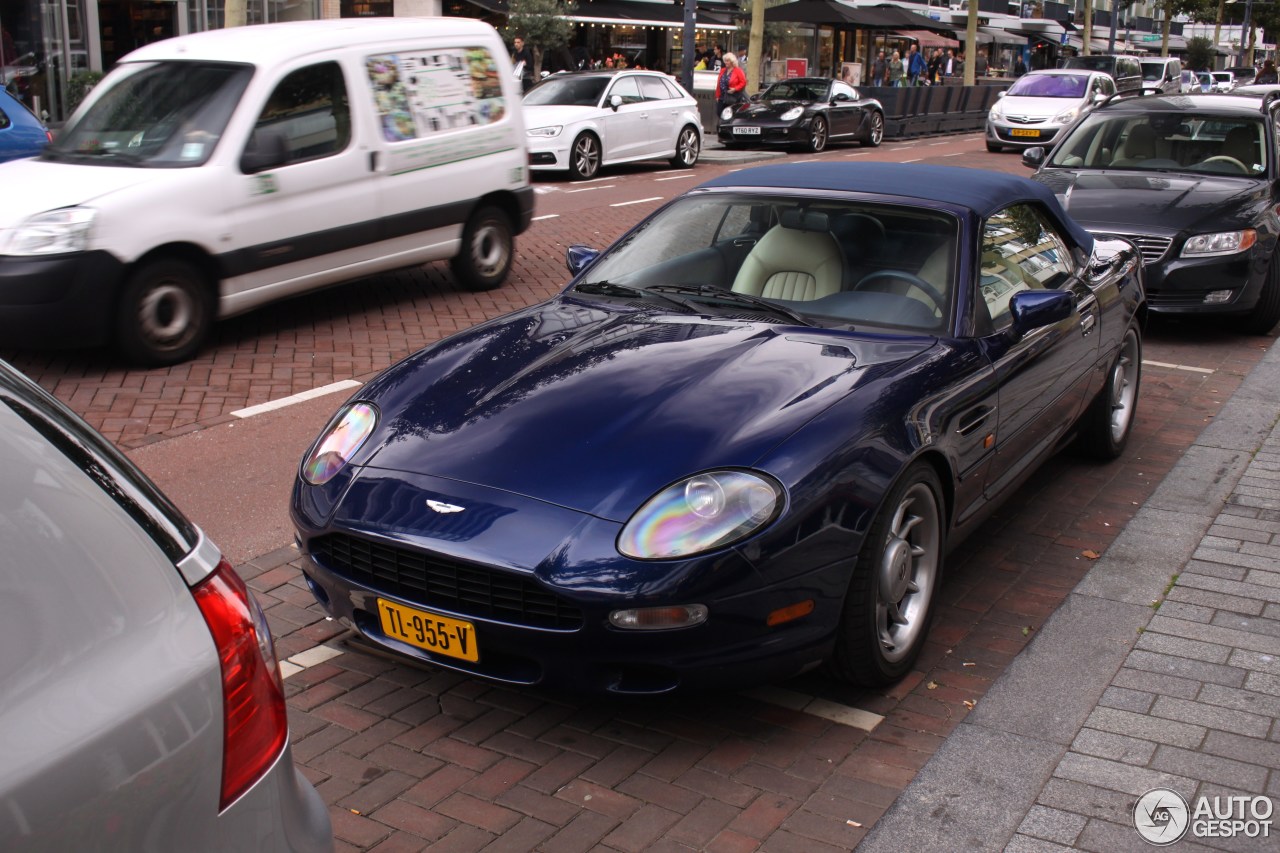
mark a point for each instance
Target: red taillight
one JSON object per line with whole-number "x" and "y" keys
{"x": 255, "y": 720}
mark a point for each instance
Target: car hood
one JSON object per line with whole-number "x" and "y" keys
{"x": 1159, "y": 202}
{"x": 34, "y": 186}
{"x": 546, "y": 115}
{"x": 771, "y": 109}
{"x": 1018, "y": 105}
{"x": 596, "y": 409}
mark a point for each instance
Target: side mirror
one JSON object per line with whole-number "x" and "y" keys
{"x": 1034, "y": 309}
{"x": 1099, "y": 98}
{"x": 1033, "y": 158}
{"x": 754, "y": 98}
{"x": 615, "y": 101}
{"x": 267, "y": 149}
{"x": 1001, "y": 94}
{"x": 578, "y": 257}
{"x": 842, "y": 96}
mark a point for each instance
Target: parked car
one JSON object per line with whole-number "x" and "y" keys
{"x": 21, "y": 133}
{"x": 1162, "y": 74}
{"x": 1040, "y": 104}
{"x": 807, "y": 112}
{"x": 579, "y": 121}
{"x": 1189, "y": 81}
{"x": 141, "y": 706}
{"x": 737, "y": 444}
{"x": 1206, "y": 81}
{"x": 1124, "y": 70}
{"x": 1242, "y": 74}
{"x": 211, "y": 173}
{"x": 1223, "y": 81}
{"x": 1193, "y": 181}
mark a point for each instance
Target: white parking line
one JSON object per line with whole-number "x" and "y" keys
{"x": 637, "y": 201}
{"x": 306, "y": 659}
{"x": 547, "y": 216}
{"x": 1176, "y": 366}
{"x": 300, "y": 397}
{"x": 677, "y": 178}
{"x": 957, "y": 154}
{"x": 844, "y": 715}
{"x": 947, "y": 142}
{"x": 916, "y": 160}
{"x": 589, "y": 189}
{"x": 857, "y": 154}
{"x": 678, "y": 172}
{"x": 596, "y": 180}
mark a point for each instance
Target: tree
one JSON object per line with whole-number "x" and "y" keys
{"x": 543, "y": 24}
{"x": 1193, "y": 8}
{"x": 1200, "y": 54}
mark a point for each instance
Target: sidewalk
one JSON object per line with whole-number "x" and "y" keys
{"x": 1161, "y": 670}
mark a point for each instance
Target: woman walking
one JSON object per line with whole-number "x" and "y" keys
{"x": 731, "y": 85}
{"x": 897, "y": 71}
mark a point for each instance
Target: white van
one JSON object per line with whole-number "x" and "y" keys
{"x": 209, "y": 174}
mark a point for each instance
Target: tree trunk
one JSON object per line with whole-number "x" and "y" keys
{"x": 755, "y": 47}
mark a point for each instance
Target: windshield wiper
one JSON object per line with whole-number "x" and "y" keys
{"x": 608, "y": 288}
{"x": 709, "y": 291}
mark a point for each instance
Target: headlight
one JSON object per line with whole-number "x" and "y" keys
{"x": 1222, "y": 243}
{"x": 996, "y": 113}
{"x": 792, "y": 114}
{"x": 53, "y": 233}
{"x": 1066, "y": 116}
{"x": 701, "y": 513}
{"x": 544, "y": 131}
{"x": 726, "y": 113}
{"x": 339, "y": 442}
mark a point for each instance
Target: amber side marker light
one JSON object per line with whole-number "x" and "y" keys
{"x": 789, "y": 614}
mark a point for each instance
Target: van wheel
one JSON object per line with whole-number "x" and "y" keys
{"x": 165, "y": 314}
{"x": 584, "y": 157}
{"x": 488, "y": 246}
{"x": 687, "y": 148}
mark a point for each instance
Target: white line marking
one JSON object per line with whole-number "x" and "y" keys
{"x": 676, "y": 178}
{"x": 596, "y": 180}
{"x": 916, "y": 160}
{"x": 957, "y": 154}
{"x": 589, "y": 189}
{"x": 1177, "y": 366}
{"x": 678, "y": 172}
{"x": 931, "y": 144}
{"x": 828, "y": 710}
{"x": 637, "y": 201}
{"x": 857, "y": 154}
{"x": 300, "y": 397}
{"x": 739, "y": 169}
{"x": 556, "y": 215}
{"x": 313, "y": 656}
{"x": 810, "y": 160}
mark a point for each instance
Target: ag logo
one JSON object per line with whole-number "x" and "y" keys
{"x": 1161, "y": 816}
{"x": 442, "y": 507}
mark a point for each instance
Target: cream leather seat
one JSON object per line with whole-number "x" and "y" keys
{"x": 798, "y": 260}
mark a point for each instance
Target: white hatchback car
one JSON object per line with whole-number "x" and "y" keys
{"x": 1042, "y": 103}
{"x": 580, "y": 121}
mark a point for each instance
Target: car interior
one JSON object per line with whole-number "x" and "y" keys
{"x": 1226, "y": 145}
{"x": 866, "y": 264}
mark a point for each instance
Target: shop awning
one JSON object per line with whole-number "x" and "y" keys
{"x": 639, "y": 13}
{"x": 924, "y": 38}
{"x": 835, "y": 13}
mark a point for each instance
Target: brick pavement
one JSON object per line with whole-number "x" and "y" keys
{"x": 417, "y": 758}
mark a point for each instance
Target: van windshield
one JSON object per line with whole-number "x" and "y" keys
{"x": 154, "y": 114}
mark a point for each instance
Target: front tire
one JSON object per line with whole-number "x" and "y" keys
{"x": 818, "y": 135}
{"x": 891, "y": 596}
{"x": 488, "y": 247}
{"x": 1266, "y": 313}
{"x": 584, "y": 157}
{"x": 1108, "y": 423}
{"x": 165, "y": 314}
{"x": 688, "y": 147}
{"x": 875, "y": 134}
{"x": 995, "y": 149}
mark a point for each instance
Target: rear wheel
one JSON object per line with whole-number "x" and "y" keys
{"x": 1107, "y": 424}
{"x": 488, "y": 246}
{"x": 165, "y": 313}
{"x": 875, "y": 133}
{"x": 584, "y": 157}
{"x": 1266, "y": 313}
{"x": 818, "y": 134}
{"x": 687, "y": 148}
{"x": 890, "y": 599}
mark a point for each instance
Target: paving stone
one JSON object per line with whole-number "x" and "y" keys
{"x": 1258, "y": 704}
{"x": 1216, "y": 600}
{"x": 1087, "y": 800}
{"x": 1116, "y": 776}
{"x": 1194, "y": 670}
{"x": 1210, "y": 716}
{"x": 1198, "y": 765}
{"x": 1156, "y": 682}
{"x": 1210, "y": 570}
{"x": 1214, "y": 634}
{"x": 1126, "y": 699}
{"x": 1255, "y": 661}
{"x": 1113, "y": 746}
{"x": 1146, "y": 727}
{"x": 1180, "y": 647}
{"x": 1232, "y": 587}
{"x": 1052, "y": 824}
{"x": 1027, "y": 844}
{"x": 1264, "y": 753}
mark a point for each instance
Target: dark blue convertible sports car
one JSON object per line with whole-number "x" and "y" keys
{"x": 738, "y": 444}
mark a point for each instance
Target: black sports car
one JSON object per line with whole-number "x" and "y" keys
{"x": 804, "y": 111}
{"x": 1193, "y": 181}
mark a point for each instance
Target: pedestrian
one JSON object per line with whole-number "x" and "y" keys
{"x": 916, "y": 66}
{"x": 731, "y": 85}
{"x": 897, "y": 71}
{"x": 935, "y": 66}
{"x": 1268, "y": 74}
{"x": 522, "y": 63}
{"x": 980, "y": 65}
{"x": 879, "y": 70}
{"x": 1019, "y": 65}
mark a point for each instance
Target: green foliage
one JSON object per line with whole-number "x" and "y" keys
{"x": 543, "y": 24}
{"x": 78, "y": 86}
{"x": 1200, "y": 53}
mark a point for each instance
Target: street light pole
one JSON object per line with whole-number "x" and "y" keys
{"x": 1115, "y": 13}
{"x": 687, "y": 37}
{"x": 1246, "y": 43}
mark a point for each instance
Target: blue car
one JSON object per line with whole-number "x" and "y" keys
{"x": 740, "y": 442}
{"x": 21, "y": 133}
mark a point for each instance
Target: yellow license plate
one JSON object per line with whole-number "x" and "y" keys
{"x": 1018, "y": 131}
{"x": 430, "y": 631}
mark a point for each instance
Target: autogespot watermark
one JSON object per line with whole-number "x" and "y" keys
{"x": 1163, "y": 817}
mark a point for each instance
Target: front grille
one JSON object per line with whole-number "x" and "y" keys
{"x": 1152, "y": 248}
{"x": 459, "y": 587}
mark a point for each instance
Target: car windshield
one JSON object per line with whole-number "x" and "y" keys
{"x": 168, "y": 114}
{"x": 831, "y": 262}
{"x": 1153, "y": 71}
{"x": 1050, "y": 86}
{"x": 1167, "y": 142}
{"x": 794, "y": 90}
{"x": 568, "y": 91}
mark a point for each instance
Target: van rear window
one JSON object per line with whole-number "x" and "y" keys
{"x": 419, "y": 93}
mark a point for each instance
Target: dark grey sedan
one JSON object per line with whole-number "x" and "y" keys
{"x": 806, "y": 112}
